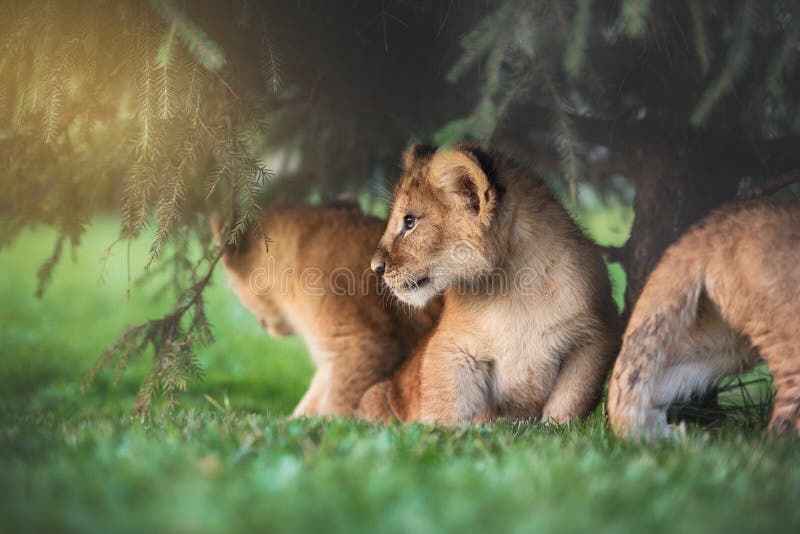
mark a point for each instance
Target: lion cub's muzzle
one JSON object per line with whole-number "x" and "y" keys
{"x": 378, "y": 263}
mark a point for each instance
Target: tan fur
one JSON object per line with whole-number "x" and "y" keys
{"x": 528, "y": 330}
{"x": 725, "y": 293}
{"x": 397, "y": 397}
{"x": 357, "y": 334}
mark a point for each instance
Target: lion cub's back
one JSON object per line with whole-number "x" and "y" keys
{"x": 752, "y": 254}
{"x": 325, "y": 238}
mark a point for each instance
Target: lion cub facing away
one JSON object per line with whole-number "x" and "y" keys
{"x": 529, "y": 329}
{"x": 314, "y": 281}
{"x": 725, "y": 293}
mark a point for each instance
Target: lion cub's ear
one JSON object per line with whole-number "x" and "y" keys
{"x": 416, "y": 152}
{"x": 459, "y": 175}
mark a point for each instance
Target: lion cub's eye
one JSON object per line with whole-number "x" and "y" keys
{"x": 409, "y": 221}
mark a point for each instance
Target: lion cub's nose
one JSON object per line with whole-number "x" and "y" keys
{"x": 378, "y": 263}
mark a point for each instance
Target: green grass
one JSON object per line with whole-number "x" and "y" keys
{"x": 73, "y": 462}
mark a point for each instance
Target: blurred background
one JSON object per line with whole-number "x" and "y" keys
{"x": 123, "y": 124}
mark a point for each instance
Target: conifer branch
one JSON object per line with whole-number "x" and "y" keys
{"x": 45, "y": 274}
{"x": 270, "y": 62}
{"x": 205, "y": 51}
{"x": 168, "y": 212}
{"x": 701, "y": 45}
{"x": 782, "y": 59}
{"x": 735, "y": 63}
{"x": 479, "y": 41}
{"x": 575, "y": 56}
{"x": 55, "y": 88}
{"x": 14, "y": 41}
{"x": 164, "y": 60}
{"x": 634, "y": 17}
{"x": 565, "y": 139}
{"x": 147, "y": 90}
{"x": 172, "y": 340}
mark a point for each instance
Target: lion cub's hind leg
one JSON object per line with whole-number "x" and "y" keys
{"x": 781, "y": 350}
{"x": 786, "y": 379}
{"x": 769, "y": 315}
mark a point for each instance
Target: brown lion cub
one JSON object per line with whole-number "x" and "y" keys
{"x": 528, "y": 330}
{"x": 726, "y": 292}
{"x": 314, "y": 281}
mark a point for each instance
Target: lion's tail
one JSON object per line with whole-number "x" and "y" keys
{"x": 665, "y": 311}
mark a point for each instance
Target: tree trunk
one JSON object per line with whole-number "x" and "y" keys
{"x": 677, "y": 183}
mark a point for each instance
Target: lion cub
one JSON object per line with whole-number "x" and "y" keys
{"x": 725, "y": 293}
{"x": 529, "y": 329}
{"x": 315, "y": 281}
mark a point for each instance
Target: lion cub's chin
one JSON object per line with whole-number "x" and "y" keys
{"x": 418, "y": 297}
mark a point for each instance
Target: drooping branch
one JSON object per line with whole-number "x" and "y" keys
{"x": 173, "y": 344}
{"x": 772, "y": 186}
